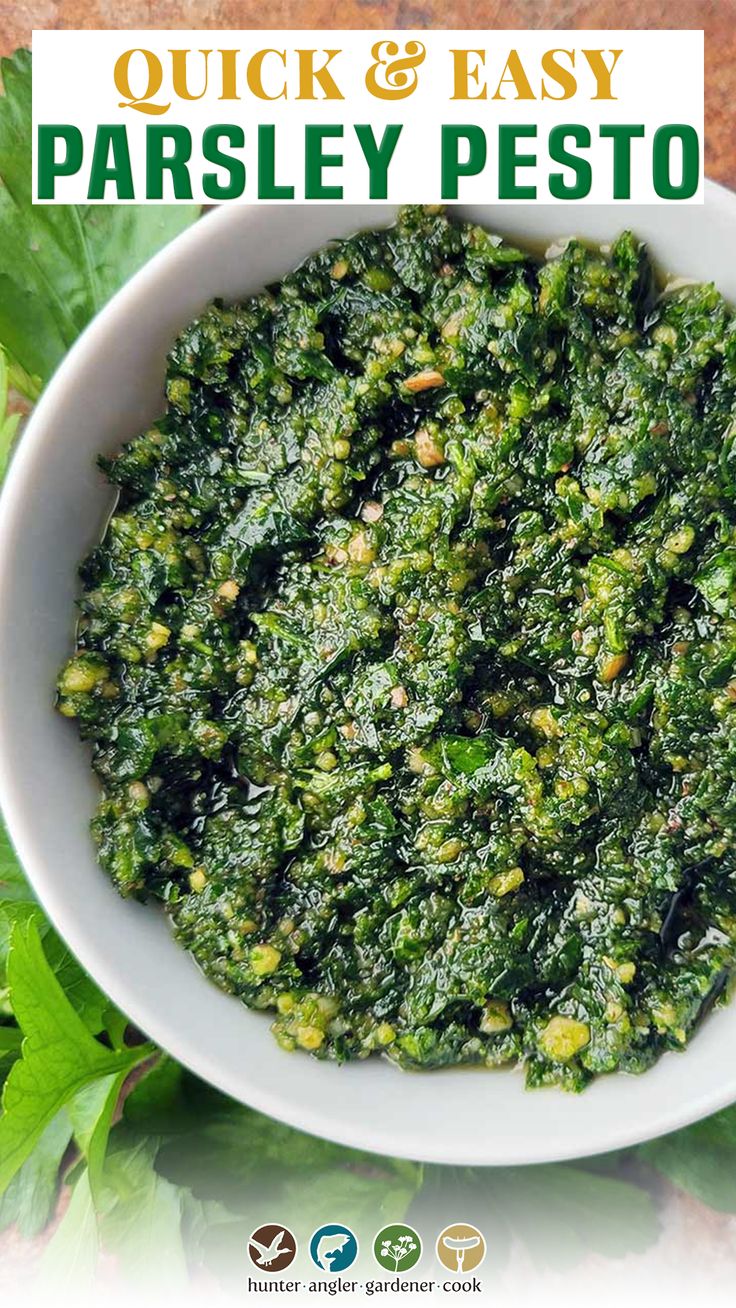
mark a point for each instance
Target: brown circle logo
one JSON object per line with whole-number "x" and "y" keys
{"x": 272, "y": 1248}
{"x": 461, "y": 1248}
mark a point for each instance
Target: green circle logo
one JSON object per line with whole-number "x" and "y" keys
{"x": 397, "y": 1248}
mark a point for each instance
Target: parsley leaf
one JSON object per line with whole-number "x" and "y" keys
{"x": 91, "y": 1112}
{"x": 224, "y": 1152}
{"x": 13, "y": 884}
{"x": 58, "y": 266}
{"x": 563, "y": 1212}
{"x": 138, "y": 1214}
{"x": 80, "y": 990}
{"x": 701, "y": 1160}
{"x": 59, "y": 1055}
{"x": 69, "y": 1261}
{"x": 8, "y": 421}
{"x": 142, "y": 1214}
{"x": 59, "y": 263}
{"x": 30, "y": 1199}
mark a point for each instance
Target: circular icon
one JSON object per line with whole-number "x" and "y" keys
{"x": 334, "y": 1248}
{"x": 397, "y": 1248}
{"x": 272, "y": 1248}
{"x": 461, "y": 1248}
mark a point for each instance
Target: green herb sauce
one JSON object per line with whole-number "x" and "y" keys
{"x": 408, "y": 657}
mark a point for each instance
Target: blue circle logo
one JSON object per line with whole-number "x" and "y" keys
{"x": 333, "y": 1248}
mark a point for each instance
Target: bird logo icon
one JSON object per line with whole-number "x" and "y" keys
{"x": 272, "y": 1248}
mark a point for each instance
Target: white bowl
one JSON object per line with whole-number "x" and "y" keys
{"x": 52, "y": 510}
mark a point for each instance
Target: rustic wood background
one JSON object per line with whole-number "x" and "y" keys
{"x": 716, "y": 17}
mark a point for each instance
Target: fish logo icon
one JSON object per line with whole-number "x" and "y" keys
{"x": 272, "y": 1248}
{"x": 333, "y": 1248}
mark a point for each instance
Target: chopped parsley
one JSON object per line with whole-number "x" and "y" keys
{"x": 408, "y": 659}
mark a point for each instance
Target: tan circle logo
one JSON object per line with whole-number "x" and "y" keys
{"x": 272, "y": 1248}
{"x": 461, "y": 1248}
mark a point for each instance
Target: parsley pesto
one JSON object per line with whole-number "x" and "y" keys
{"x": 408, "y": 658}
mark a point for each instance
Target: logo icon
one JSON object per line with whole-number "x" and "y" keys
{"x": 334, "y": 1248}
{"x": 272, "y": 1248}
{"x": 461, "y": 1248}
{"x": 397, "y": 1248}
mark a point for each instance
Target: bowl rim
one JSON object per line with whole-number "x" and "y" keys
{"x": 285, "y": 1106}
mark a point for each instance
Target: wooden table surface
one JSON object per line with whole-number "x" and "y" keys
{"x": 716, "y": 17}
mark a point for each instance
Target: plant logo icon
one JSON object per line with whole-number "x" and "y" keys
{"x": 272, "y": 1248}
{"x": 333, "y": 1248}
{"x": 397, "y": 1248}
{"x": 460, "y": 1248}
